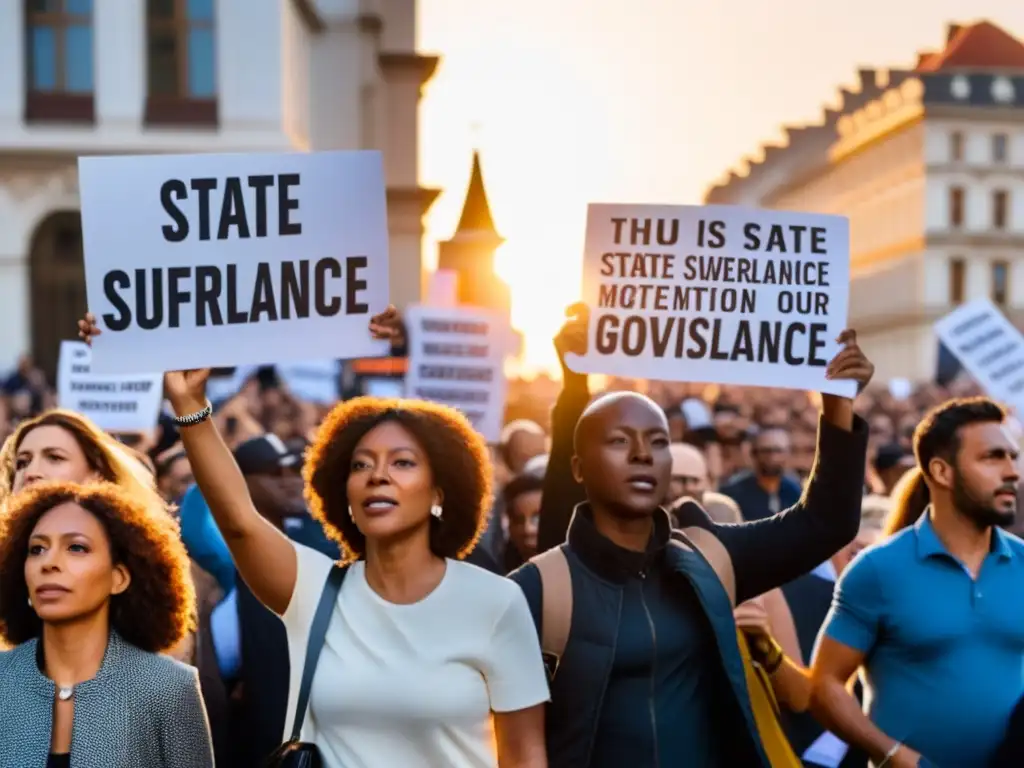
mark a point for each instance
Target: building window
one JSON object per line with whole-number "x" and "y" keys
{"x": 999, "y": 145}
{"x": 956, "y": 146}
{"x": 956, "y": 207}
{"x": 999, "y": 208}
{"x": 957, "y": 275}
{"x": 1000, "y": 283}
{"x": 182, "y": 62}
{"x": 58, "y": 61}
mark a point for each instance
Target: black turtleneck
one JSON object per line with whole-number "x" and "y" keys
{"x": 658, "y": 707}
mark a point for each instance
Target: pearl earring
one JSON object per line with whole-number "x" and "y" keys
{"x": 30, "y": 602}
{"x": 436, "y": 511}
{"x": 350, "y": 512}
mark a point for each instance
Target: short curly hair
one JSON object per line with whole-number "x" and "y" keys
{"x": 154, "y": 613}
{"x": 459, "y": 461}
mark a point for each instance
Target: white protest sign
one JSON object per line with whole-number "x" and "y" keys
{"x": 988, "y": 347}
{"x": 457, "y": 358}
{"x": 315, "y": 381}
{"x": 195, "y": 261}
{"x": 120, "y": 403}
{"x": 716, "y": 293}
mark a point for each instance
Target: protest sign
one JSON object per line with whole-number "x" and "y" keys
{"x": 457, "y": 357}
{"x": 195, "y": 261}
{"x": 988, "y": 347}
{"x": 119, "y": 403}
{"x": 715, "y": 294}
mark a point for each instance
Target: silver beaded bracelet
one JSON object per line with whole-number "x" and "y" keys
{"x": 191, "y": 419}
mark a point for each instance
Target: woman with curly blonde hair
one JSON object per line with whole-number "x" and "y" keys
{"x": 93, "y": 589}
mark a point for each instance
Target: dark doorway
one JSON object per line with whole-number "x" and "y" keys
{"x": 57, "y": 285}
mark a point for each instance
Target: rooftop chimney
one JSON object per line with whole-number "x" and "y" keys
{"x": 867, "y": 78}
{"x": 952, "y": 30}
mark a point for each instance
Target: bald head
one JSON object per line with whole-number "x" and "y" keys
{"x": 521, "y": 440}
{"x": 688, "y": 460}
{"x": 606, "y": 411}
{"x": 622, "y": 455}
{"x": 689, "y": 472}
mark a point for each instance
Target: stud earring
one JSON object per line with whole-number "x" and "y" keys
{"x": 436, "y": 511}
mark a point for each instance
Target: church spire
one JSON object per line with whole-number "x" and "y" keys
{"x": 476, "y": 211}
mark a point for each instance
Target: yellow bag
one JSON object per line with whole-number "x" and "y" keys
{"x": 766, "y": 711}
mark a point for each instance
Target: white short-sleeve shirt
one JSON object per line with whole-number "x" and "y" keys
{"x": 413, "y": 685}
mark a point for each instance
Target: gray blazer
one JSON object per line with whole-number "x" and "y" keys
{"x": 141, "y": 709}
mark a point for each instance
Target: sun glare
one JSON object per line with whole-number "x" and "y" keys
{"x": 543, "y": 284}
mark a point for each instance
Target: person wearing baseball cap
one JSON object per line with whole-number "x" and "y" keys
{"x": 272, "y": 472}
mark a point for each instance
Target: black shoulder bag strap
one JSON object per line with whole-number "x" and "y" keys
{"x": 317, "y": 634}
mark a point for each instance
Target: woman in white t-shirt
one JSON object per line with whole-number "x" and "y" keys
{"x": 428, "y": 661}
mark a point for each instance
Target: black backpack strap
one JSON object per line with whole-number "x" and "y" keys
{"x": 317, "y": 634}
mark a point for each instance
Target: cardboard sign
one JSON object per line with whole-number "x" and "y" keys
{"x": 457, "y": 357}
{"x": 715, "y": 294}
{"x": 119, "y": 403}
{"x": 195, "y": 261}
{"x": 988, "y": 347}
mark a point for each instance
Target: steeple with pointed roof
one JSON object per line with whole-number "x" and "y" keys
{"x": 471, "y": 249}
{"x": 476, "y": 219}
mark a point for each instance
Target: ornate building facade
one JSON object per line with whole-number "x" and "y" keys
{"x": 928, "y": 164}
{"x": 183, "y": 76}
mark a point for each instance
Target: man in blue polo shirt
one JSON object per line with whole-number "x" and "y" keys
{"x": 933, "y": 614}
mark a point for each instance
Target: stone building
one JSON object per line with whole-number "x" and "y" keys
{"x": 182, "y": 76}
{"x": 928, "y": 164}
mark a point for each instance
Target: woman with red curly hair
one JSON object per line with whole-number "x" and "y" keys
{"x": 428, "y": 661}
{"x": 93, "y": 589}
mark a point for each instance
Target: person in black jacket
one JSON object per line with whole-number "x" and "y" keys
{"x": 652, "y": 673}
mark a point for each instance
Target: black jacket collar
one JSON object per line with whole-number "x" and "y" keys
{"x": 608, "y": 560}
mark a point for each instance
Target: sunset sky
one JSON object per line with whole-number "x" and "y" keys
{"x": 573, "y": 101}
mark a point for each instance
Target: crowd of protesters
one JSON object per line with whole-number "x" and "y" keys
{"x": 673, "y": 560}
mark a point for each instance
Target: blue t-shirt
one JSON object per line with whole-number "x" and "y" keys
{"x": 206, "y": 545}
{"x": 944, "y": 663}
{"x": 203, "y": 539}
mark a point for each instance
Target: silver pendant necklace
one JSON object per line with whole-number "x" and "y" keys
{"x": 64, "y": 693}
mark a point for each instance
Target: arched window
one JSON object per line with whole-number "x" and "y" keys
{"x": 181, "y": 62}
{"x": 58, "y": 61}
{"x": 57, "y": 285}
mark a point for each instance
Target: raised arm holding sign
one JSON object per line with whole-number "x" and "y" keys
{"x": 634, "y": 551}
{"x": 265, "y": 557}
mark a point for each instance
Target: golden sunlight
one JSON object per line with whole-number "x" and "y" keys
{"x": 543, "y": 284}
